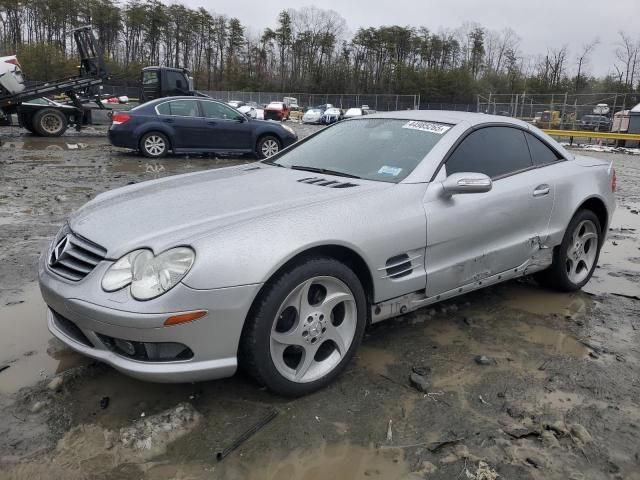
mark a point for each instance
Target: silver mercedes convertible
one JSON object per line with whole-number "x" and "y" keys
{"x": 279, "y": 266}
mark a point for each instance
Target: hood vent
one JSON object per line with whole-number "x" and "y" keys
{"x": 323, "y": 182}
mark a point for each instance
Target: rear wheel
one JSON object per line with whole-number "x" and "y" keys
{"x": 49, "y": 122}
{"x": 268, "y": 146}
{"x": 305, "y": 327}
{"x": 577, "y": 256}
{"x": 154, "y": 145}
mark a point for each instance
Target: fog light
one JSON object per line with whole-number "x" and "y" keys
{"x": 125, "y": 345}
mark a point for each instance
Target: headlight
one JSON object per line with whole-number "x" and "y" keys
{"x": 289, "y": 129}
{"x": 149, "y": 276}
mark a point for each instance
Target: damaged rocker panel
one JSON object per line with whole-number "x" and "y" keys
{"x": 539, "y": 260}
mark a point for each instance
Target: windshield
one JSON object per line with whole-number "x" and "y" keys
{"x": 381, "y": 149}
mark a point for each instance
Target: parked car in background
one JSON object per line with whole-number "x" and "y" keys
{"x": 313, "y": 115}
{"x": 182, "y": 278}
{"x": 355, "y": 112}
{"x": 236, "y": 103}
{"x": 276, "y": 111}
{"x": 597, "y": 123}
{"x": 248, "y": 110}
{"x": 331, "y": 115}
{"x": 195, "y": 125}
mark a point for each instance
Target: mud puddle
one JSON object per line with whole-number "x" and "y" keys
{"x": 26, "y": 346}
{"x": 618, "y": 269}
{"x": 51, "y": 144}
{"x": 329, "y": 461}
{"x": 552, "y": 339}
{"x": 533, "y": 299}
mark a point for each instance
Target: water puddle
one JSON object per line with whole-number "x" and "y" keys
{"x": 540, "y": 301}
{"x": 172, "y": 165}
{"x": 618, "y": 273}
{"x": 329, "y": 461}
{"x": 376, "y": 360}
{"x": 554, "y": 340}
{"x": 51, "y": 144}
{"x": 26, "y": 345}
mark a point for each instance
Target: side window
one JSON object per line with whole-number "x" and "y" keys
{"x": 184, "y": 108}
{"x": 164, "y": 109}
{"x": 176, "y": 81}
{"x": 494, "y": 151}
{"x": 219, "y": 111}
{"x": 540, "y": 153}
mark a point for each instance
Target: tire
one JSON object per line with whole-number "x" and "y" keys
{"x": 293, "y": 354}
{"x": 575, "y": 260}
{"x": 154, "y": 145}
{"x": 49, "y": 122}
{"x": 268, "y": 146}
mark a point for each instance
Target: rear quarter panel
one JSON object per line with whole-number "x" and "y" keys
{"x": 577, "y": 181}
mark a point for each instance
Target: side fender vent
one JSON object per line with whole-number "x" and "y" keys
{"x": 323, "y": 182}
{"x": 399, "y": 266}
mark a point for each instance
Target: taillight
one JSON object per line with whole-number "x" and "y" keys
{"x": 614, "y": 180}
{"x": 12, "y": 61}
{"x": 119, "y": 118}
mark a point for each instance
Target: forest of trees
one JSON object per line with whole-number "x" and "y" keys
{"x": 309, "y": 50}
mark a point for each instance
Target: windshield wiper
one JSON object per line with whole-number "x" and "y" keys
{"x": 323, "y": 170}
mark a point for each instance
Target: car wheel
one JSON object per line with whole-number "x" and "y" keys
{"x": 305, "y": 327}
{"x": 154, "y": 145}
{"x": 577, "y": 256}
{"x": 268, "y": 146}
{"x": 49, "y": 122}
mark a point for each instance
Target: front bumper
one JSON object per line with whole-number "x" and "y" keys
{"x": 94, "y": 315}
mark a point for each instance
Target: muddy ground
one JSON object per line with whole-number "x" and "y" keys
{"x": 558, "y": 396}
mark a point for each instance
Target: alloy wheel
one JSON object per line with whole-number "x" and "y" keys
{"x": 582, "y": 251}
{"x": 154, "y": 145}
{"x": 269, "y": 148}
{"x": 313, "y": 329}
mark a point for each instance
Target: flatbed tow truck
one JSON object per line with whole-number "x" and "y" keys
{"x": 50, "y": 119}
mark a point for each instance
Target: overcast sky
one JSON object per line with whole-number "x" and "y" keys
{"x": 540, "y": 23}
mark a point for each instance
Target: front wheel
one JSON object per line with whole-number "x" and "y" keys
{"x": 575, "y": 260}
{"x": 154, "y": 145}
{"x": 267, "y": 146}
{"x": 305, "y": 327}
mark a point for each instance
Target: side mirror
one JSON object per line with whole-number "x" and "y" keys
{"x": 466, "y": 182}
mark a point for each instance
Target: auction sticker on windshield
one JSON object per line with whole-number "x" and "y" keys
{"x": 393, "y": 171}
{"x": 439, "y": 128}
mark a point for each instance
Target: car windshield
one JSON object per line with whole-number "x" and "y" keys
{"x": 354, "y": 111}
{"x": 381, "y": 149}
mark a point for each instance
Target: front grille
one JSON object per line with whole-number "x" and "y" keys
{"x": 70, "y": 329}
{"x": 74, "y": 257}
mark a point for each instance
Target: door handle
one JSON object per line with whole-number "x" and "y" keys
{"x": 168, "y": 120}
{"x": 211, "y": 122}
{"x": 541, "y": 190}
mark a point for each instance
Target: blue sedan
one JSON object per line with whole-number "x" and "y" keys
{"x": 196, "y": 125}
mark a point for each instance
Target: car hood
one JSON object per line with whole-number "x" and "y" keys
{"x": 177, "y": 210}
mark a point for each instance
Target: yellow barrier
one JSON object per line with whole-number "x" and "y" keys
{"x": 591, "y": 134}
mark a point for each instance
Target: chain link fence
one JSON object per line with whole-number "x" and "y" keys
{"x": 381, "y": 102}
{"x": 559, "y": 111}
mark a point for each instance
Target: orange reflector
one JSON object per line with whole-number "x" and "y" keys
{"x": 185, "y": 317}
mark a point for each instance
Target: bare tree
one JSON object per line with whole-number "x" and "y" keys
{"x": 627, "y": 53}
{"x": 583, "y": 58}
